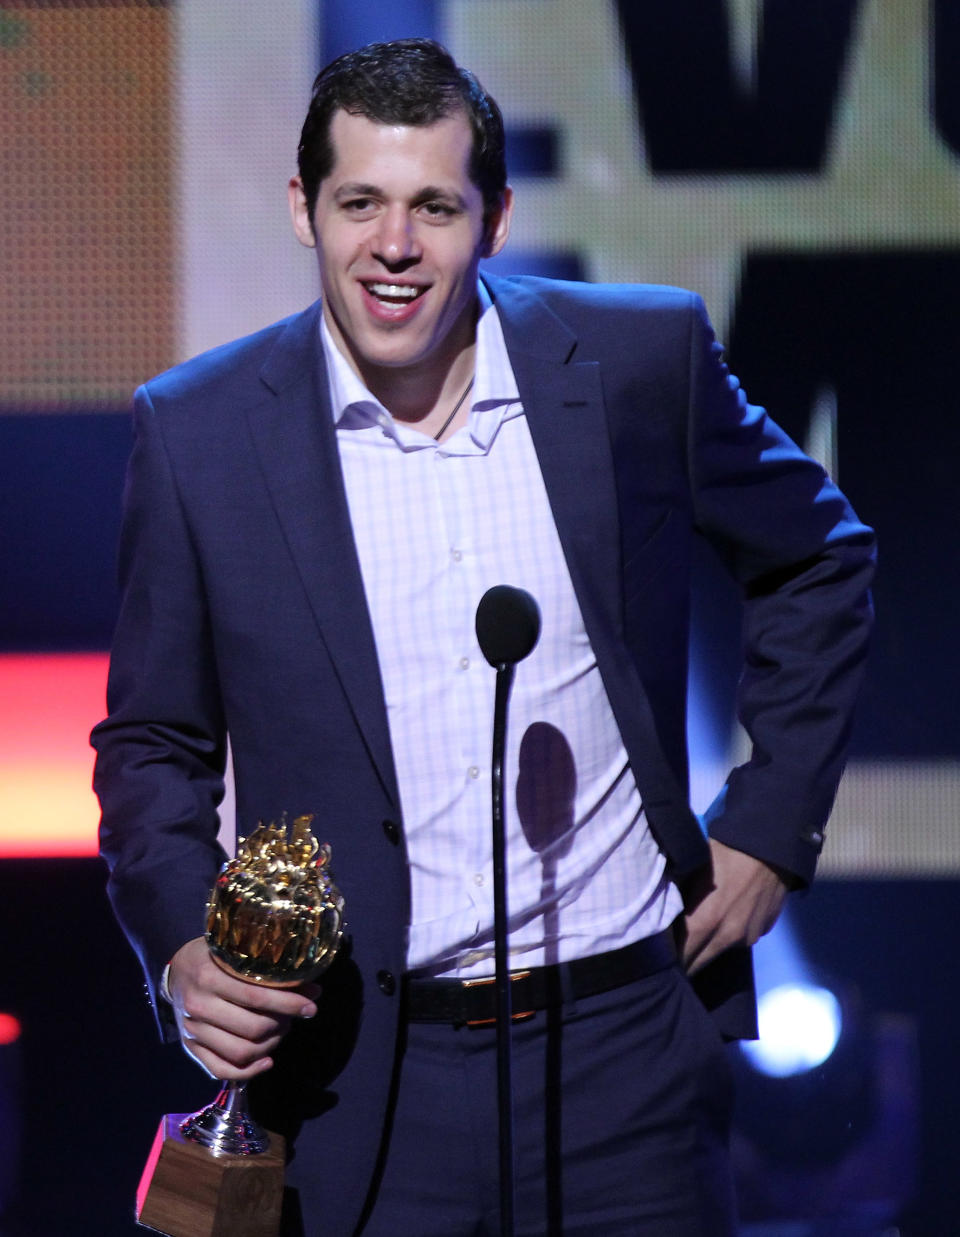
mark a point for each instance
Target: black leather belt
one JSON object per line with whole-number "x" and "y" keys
{"x": 473, "y": 1002}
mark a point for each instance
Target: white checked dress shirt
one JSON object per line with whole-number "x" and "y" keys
{"x": 435, "y": 527}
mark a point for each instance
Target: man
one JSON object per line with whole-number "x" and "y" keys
{"x": 312, "y": 515}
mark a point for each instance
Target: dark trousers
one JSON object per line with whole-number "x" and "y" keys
{"x": 621, "y": 1114}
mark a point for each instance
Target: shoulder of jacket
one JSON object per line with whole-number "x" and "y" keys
{"x": 575, "y": 295}
{"x": 235, "y": 364}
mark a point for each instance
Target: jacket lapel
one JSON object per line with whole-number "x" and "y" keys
{"x": 563, "y": 402}
{"x": 295, "y": 439}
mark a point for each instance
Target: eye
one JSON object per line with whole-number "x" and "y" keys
{"x": 359, "y": 206}
{"x": 439, "y": 211}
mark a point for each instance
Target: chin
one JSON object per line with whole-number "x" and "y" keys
{"x": 392, "y": 358}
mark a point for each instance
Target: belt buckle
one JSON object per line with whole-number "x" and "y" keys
{"x": 486, "y": 982}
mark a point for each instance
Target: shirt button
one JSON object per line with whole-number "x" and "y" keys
{"x": 456, "y": 555}
{"x": 478, "y": 879}
{"x": 474, "y": 771}
{"x": 386, "y": 983}
{"x": 464, "y": 663}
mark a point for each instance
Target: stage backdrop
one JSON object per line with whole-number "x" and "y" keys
{"x": 796, "y": 164}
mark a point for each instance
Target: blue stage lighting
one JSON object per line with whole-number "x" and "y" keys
{"x": 800, "y": 1026}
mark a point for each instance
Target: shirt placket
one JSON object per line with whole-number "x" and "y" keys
{"x": 471, "y": 688}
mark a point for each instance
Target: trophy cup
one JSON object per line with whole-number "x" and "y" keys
{"x": 274, "y": 918}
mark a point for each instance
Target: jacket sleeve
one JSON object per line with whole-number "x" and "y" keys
{"x": 803, "y": 562}
{"x": 161, "y": 749}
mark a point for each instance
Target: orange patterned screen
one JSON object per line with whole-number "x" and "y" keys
{"x": 86, "y": 189}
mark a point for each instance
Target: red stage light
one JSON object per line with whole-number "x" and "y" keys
{"x": 48, "y": 704}
{"x": 9, "y": 1029}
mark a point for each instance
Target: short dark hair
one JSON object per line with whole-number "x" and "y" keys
{"x": 406, "y": 82}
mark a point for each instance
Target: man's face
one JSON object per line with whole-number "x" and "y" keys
{"x": 399, "y": 232}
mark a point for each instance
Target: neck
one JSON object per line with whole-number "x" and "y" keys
{"x": 424, "y": 393}
{"x": 425, "y": 397}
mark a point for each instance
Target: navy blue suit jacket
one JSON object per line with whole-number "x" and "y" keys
{"x": 243, "y": 612}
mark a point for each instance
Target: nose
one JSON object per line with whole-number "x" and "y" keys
{"x": 395, "y": 242}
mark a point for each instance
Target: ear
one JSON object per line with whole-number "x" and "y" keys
{"x": 498, "y": 225}
{"x": 302, "y": 223}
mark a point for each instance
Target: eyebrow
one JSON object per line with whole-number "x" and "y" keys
{"x": 353, "y": 189}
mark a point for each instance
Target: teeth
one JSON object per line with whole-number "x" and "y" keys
{"x": 395, "y": 290}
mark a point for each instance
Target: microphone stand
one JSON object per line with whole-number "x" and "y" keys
{"x": 504, "y": 682}
{"x": 508, "y": 626}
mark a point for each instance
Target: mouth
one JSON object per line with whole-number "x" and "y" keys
{"x": 394, "y": 294}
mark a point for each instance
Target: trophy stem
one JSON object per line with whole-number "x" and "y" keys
{"x": 225, "y": 1127}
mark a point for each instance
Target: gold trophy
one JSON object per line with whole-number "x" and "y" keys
{"x": 275, "y": 918}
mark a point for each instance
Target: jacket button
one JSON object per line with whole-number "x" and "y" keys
{"x": 386, "y": 983}
{"x": 392, "y": 830}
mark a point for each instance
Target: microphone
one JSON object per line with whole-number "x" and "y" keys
{"x": 508, "y": 625}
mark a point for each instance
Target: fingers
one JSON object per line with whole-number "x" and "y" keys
{"x": 742, "y": 904}
{"x": 225, "y": 1056}
{"x": 243, "y": 1008}
{"x": 203, "y": 990}
{"x": 707, "y": 940}
{"x": 228, "y": 1026}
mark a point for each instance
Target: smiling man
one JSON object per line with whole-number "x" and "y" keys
{"x": 312, "y": 516}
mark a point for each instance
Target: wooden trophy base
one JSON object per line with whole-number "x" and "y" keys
{"x": 186, "y": 1191}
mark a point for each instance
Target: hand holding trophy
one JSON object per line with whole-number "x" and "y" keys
{"x": 274, "y": 918}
